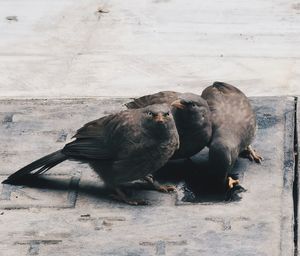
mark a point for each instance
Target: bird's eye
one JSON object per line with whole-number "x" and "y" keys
{"x": 149, "y": 113}
{"x": 166, "y": 114}
{"x": 193, "y": 105}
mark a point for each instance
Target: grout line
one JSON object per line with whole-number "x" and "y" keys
{"x": 296, "y": 181}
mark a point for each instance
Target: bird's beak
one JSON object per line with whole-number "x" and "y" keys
{"x": 159, "y": 118}
{"x": 178, "y": 104}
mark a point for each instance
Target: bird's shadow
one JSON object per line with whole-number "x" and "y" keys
{"x": 190, "y": 176}
{"x": 195, "y": 183}
{"x": 93, "y": 189}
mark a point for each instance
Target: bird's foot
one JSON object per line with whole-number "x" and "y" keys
{"x": 233, "y": 190}
{"x": 121, "y": 196}
{"x": 252, "y": 155}
{"x": 157, "y": 186}
{"x": 231, "y": 182}
{"x": 165, "y": 188}
{"x": 233, "y": 194}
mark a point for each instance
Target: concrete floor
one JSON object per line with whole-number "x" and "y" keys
{"x": 66, "y": 48}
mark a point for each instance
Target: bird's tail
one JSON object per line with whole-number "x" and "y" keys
{"x": 41, "y": 165}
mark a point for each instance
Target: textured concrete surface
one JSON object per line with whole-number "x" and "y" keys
{"x": 69, "y": 49}
{"x": 70, "y": 213}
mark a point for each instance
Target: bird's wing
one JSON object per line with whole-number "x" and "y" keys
{"x": 100, "y": 139}
{"x": 156, "y": 98}
{"x": 232, "y": 114}
{"x": 96, "y": 128}
{"x": 89, "y": 148}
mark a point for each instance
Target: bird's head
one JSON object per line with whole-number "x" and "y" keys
{"x": 157, "y": 117}
{"x": 157, "y": 114}
{"x": 190, "y": 105}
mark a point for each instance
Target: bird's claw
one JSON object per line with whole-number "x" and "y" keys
{"x": 232, "y": 182}
{"x": 256, "y": 157}
{"x": 157, "y": 186}
{"x": 121, "y": 196}
{"x": 233, "y": 193}
{"x": 234, "y": 189}
{"x": 252, "y": 155}
{"x": 165, "y": 188}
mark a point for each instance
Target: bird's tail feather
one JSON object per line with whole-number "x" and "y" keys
{"x": 41, "y": 166}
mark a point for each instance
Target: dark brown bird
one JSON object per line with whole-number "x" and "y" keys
{"x": 121, "y": 147}
{"x": 192, "y": 118}
{"x": 234, "y": 127}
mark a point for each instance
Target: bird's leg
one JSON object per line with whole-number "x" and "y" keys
{"x": 232, "y": 182}
{"x": 121, "y": 196}
{"x": 251, "y": 154}
{"x": 155, "y": 185}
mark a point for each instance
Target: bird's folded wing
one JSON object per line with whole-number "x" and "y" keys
{"x": 100, "y": 139}
{"x": 92, "y": 140}
{"x": 98, "y": 128}
{"x": 90, "y": 148}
